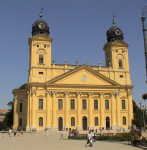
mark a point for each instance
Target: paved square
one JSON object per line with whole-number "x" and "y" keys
{"x": 39, "y": 141}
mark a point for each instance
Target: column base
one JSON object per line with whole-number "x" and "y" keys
{"x": 113, "y": 127}
{"x": 91, "y": 127}
{"x": 129, "y": 127}
{"x": 14, "y": 127}
{"x": 54, "y": 128}
{"x": 119, "y": 126}
{"x": 33, "y": 128}
{"x": 48, "y": 127}
{"x": 27, "y": 128}
{"x": 79, "y": 128}
{"x": 66, "y": 128}
{"x": 102, "y": 127}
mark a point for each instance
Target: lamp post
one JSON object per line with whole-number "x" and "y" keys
{"x": 144, "y": 14}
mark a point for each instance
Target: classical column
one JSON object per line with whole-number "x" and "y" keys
{"x": 15, "y": 113}
{"x": 102, "y": 104}
{"x": 54, "y": 125}
{"x": 33, "y": 117}
{"x": 48, "y": 117}
{"x": 28, "y": 111}
{"x": 130, "y": 109}
{"x": 118, "y": 110}
{"x": 91, "y": 127}
{"x": 113, "y": 124}
{"x": 67, "y": 104}
{"x": 79, "y": 104}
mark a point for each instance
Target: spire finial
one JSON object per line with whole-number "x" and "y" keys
{"x": 41, "y": 12}
{"x": 113, "y": 20}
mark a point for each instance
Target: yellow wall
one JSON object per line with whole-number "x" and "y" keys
{"x": 65, "y": 82}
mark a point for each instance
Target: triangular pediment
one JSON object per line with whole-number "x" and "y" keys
{"x": 83, "y": 75}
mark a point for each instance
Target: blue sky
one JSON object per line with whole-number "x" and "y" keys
{"x": 78, "y": 29}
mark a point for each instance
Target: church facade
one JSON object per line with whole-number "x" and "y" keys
{"x": 82, "y": 97}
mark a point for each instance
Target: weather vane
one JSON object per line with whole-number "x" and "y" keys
{"x": 41, "y": 8}
{"x": 113, "y": 20}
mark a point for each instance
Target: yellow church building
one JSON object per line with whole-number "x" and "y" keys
{"x": 82, "y": 97}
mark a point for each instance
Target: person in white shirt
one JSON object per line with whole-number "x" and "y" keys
{"x": 62, "y": 134}
{"x": 88, "y": 139}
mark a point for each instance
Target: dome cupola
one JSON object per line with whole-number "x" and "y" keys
{"x": 40, "y": 27}
{"x": 114, "y": 33}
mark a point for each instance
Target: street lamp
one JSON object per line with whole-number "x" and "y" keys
{"x": 144, "y": 14}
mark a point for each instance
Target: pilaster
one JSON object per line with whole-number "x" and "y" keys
{"x": 33, "y": 124}
{"x": 129, "y": 109}
{"x": 66, "y": 110}
{"x": 102, "y": 104}
{"x": 113, "y": 124}
{"x": 15, "y": 114}
{"x": 91, "y": 127}
{"x": 54, "y": 126}
{"x": 28, "y": 112}
{"x": 48, "y": 116}
{"x": 79, "y": 123}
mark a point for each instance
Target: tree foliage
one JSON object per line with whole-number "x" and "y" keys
{"x": 137, "y": 115}
{"x": 8, "y": 120}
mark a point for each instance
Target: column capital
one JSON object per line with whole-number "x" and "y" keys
{"x": 90, "y": 93}
{"x": 79, "y": 93}
{"x": 33, "y": 92}
{"x": 130, "y": 94}
{"x": 48, "y": 92}
{"x": 15, "y": 97}
{"x": 112, "y": 94}
{"x": 117, "y": 94}
{"x": 54, "y": 92}
{"x": 66, "y": 92}
{"x": 102, "y": 93}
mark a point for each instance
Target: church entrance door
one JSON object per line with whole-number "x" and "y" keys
{"x": 107, "y": 123}
{"x": 60, "y": 123}
{"x": 84, "y": 123}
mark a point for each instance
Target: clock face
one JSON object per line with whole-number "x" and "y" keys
{"x": 117, "y": 32}
{"x": 41, "y": 26}
{"x": 83, "y": 78}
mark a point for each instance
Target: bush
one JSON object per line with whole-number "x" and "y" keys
{"x": 117, "y": 137}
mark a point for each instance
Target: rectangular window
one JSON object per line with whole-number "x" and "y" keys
{"x": 84, "y": 104}
{"x": 107, "y": 104}
{"x": 60, "y": 104}
{"x": 20, "y": 108}
{"x": 95, "y": 104}
{"x": 120, "y": 63}
{"x": 40, "y": 59}
{"x": 123, "y": 104}
{"x": 40, "y": 103}
{"x": 72, "y": 104}
{"x": 40, "y": 72}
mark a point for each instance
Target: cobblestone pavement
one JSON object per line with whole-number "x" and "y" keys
{"x": 39, "y": 141}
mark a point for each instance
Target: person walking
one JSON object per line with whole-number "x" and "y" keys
{"x": 9, "y": 132}
{"x": 22, "y": 132}
{"x": 18, "y": 133}
{"x": 14, "y": 132}
{"x": 62, "y": 134}
{"x": 46, "y": 132}
{"x": 88, "y": 138}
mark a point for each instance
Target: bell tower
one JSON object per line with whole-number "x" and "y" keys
{"x": 40, "y": 52}
{"x": 116, "y": 54}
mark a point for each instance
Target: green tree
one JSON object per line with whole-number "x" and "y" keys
{"x": 8, "y": 120}
{"x": 137, "y": 118}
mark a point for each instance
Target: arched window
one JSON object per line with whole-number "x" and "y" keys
{"x": 40, "y": 121}
{"x": 72, "y": 121}
{"x": 124, "y": 120}
{"x": 96, "y": 121}
{"x": 20, "y": 122}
